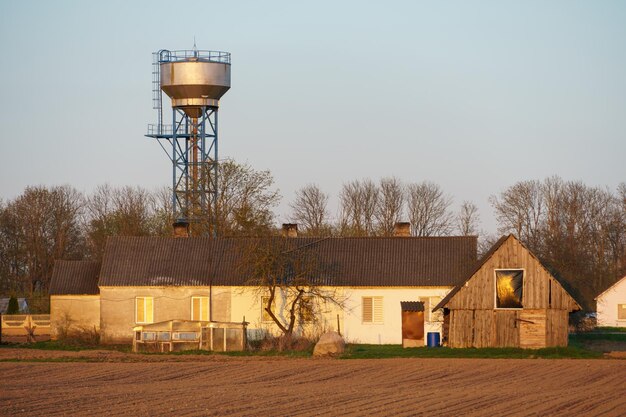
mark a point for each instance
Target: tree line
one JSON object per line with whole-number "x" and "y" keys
{"x": 48, "y": 223}
{"x": 576, "y": 229}
{"x": 579, "y": 230}
{"x": 368, "y": 208}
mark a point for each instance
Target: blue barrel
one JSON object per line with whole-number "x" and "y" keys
{"x": 432, "y": 339}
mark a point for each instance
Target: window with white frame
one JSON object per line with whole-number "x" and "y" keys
{"x": 200, "y": 308}
{"x": 144, "y": 310}
{"x": 621, "y": 311}
{"x": 372, "y": 310}
{"x": 509, "y": 288}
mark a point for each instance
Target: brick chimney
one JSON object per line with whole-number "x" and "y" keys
{"x": 402, "y": 229}
{"x": 181, "y": 229}
{"x": 289, "y": 230}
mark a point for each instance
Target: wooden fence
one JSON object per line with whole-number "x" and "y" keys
{"x": 25, "y": 327}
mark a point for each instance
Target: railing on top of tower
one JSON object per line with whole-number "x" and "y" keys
{"x": 165, "y": 55}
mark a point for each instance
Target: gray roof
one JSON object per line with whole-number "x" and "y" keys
{"x": 75, "y": 277}
{"x": 412, "y": 305}
{"x": 407, "y": 261}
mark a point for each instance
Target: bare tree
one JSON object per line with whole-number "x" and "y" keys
{"x": 309, "y": 209}
{"x": 246, "y": 198}
{"x": 621, "y": 195}
{"x": 283, "y": 268}
{"x": 428, "y": 209}
{"x": 162, "y": 212}
{"x": 579, "y": 230}
{"x": 124, "y": 211}
{"x": 520, "y": 209}
{"x": 468, "y": 219}
{"x": 39, "y": 226}
{"x": 358, "y": 204}
{"x": 390, "y": 208}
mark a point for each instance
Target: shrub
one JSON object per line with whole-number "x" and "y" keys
{"x": 14, "y": 307}
{"x": 69, "y": 333}
{"x": 284, "y": 343}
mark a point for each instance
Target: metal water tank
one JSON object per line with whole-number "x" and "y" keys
{"x": 194, "y": 79}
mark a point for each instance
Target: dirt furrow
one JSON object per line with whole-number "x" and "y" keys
{"x": 246, "y": 386}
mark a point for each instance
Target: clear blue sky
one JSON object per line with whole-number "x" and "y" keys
{"x": 473, "y": 95}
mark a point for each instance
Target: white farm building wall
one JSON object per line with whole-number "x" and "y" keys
{"x": 610, "y": 304}
{"x": 389, "y": 331}
{"x": 246, "y": 302}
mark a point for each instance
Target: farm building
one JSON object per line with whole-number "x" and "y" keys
{"x": 508, "y": 300}
{"x": 611, "y": 305}
{"x": 74, "y": 297}
{"x": 144, "y": 280}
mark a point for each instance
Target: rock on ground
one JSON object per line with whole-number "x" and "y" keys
{"x": 331, "y": 343}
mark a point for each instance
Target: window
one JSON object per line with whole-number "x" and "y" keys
{"x": 144, "y": 310}
{"x": 372, "y": 310}
{"x": 148, "y": 336}
{"x": 306, "y": 309}
{"x": 185, "y": 336}
{"x": 621, "y": 311}
{"x": 509, "y": 288}
{"x": 264, "y": 314}
{"x": 200, "y": 308}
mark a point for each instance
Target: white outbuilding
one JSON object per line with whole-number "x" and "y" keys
{"x": 611, "y": 305}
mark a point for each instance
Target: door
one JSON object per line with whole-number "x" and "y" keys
{"x": 412, "y": 328}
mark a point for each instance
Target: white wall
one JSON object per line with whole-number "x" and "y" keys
{"x": 74, "y": 313}
{"x": 390, "y": 331}
{"x": 246, "y": 302}
{"x": 607, "y": 305}
{"x": 234, "y": 303}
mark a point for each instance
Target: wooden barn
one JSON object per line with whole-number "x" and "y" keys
{"x": 508, "y": 300}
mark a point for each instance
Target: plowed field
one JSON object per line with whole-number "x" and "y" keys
{"x": 216, "y": 385}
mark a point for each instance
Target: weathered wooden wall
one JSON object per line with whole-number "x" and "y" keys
{"x": 540, "y": 289}
{"x": 557, "y": 327}
{"x": 475, "y": 322}
{"x": 532, "y": 329}
{"x": 484, "y": 328}
{"x": 461, "y": 328}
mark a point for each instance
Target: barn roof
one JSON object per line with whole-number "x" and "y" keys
{"x": 482, "y": 261}
{"x": 408, "y": 261}
{"x": 75, "y": 277}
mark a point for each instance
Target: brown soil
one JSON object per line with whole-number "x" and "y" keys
{"x": 123, "y": 384}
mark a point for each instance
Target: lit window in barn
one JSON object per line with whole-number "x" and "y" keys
{"x": 200, "y": 308}
{"x": 372, "y": 310}
{"x": 509, "y": 285}
{"x": 144, "y": 310}
{"x": 621, "y": 311}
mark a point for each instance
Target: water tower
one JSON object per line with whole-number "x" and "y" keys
{"x": 194, "y": 80}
